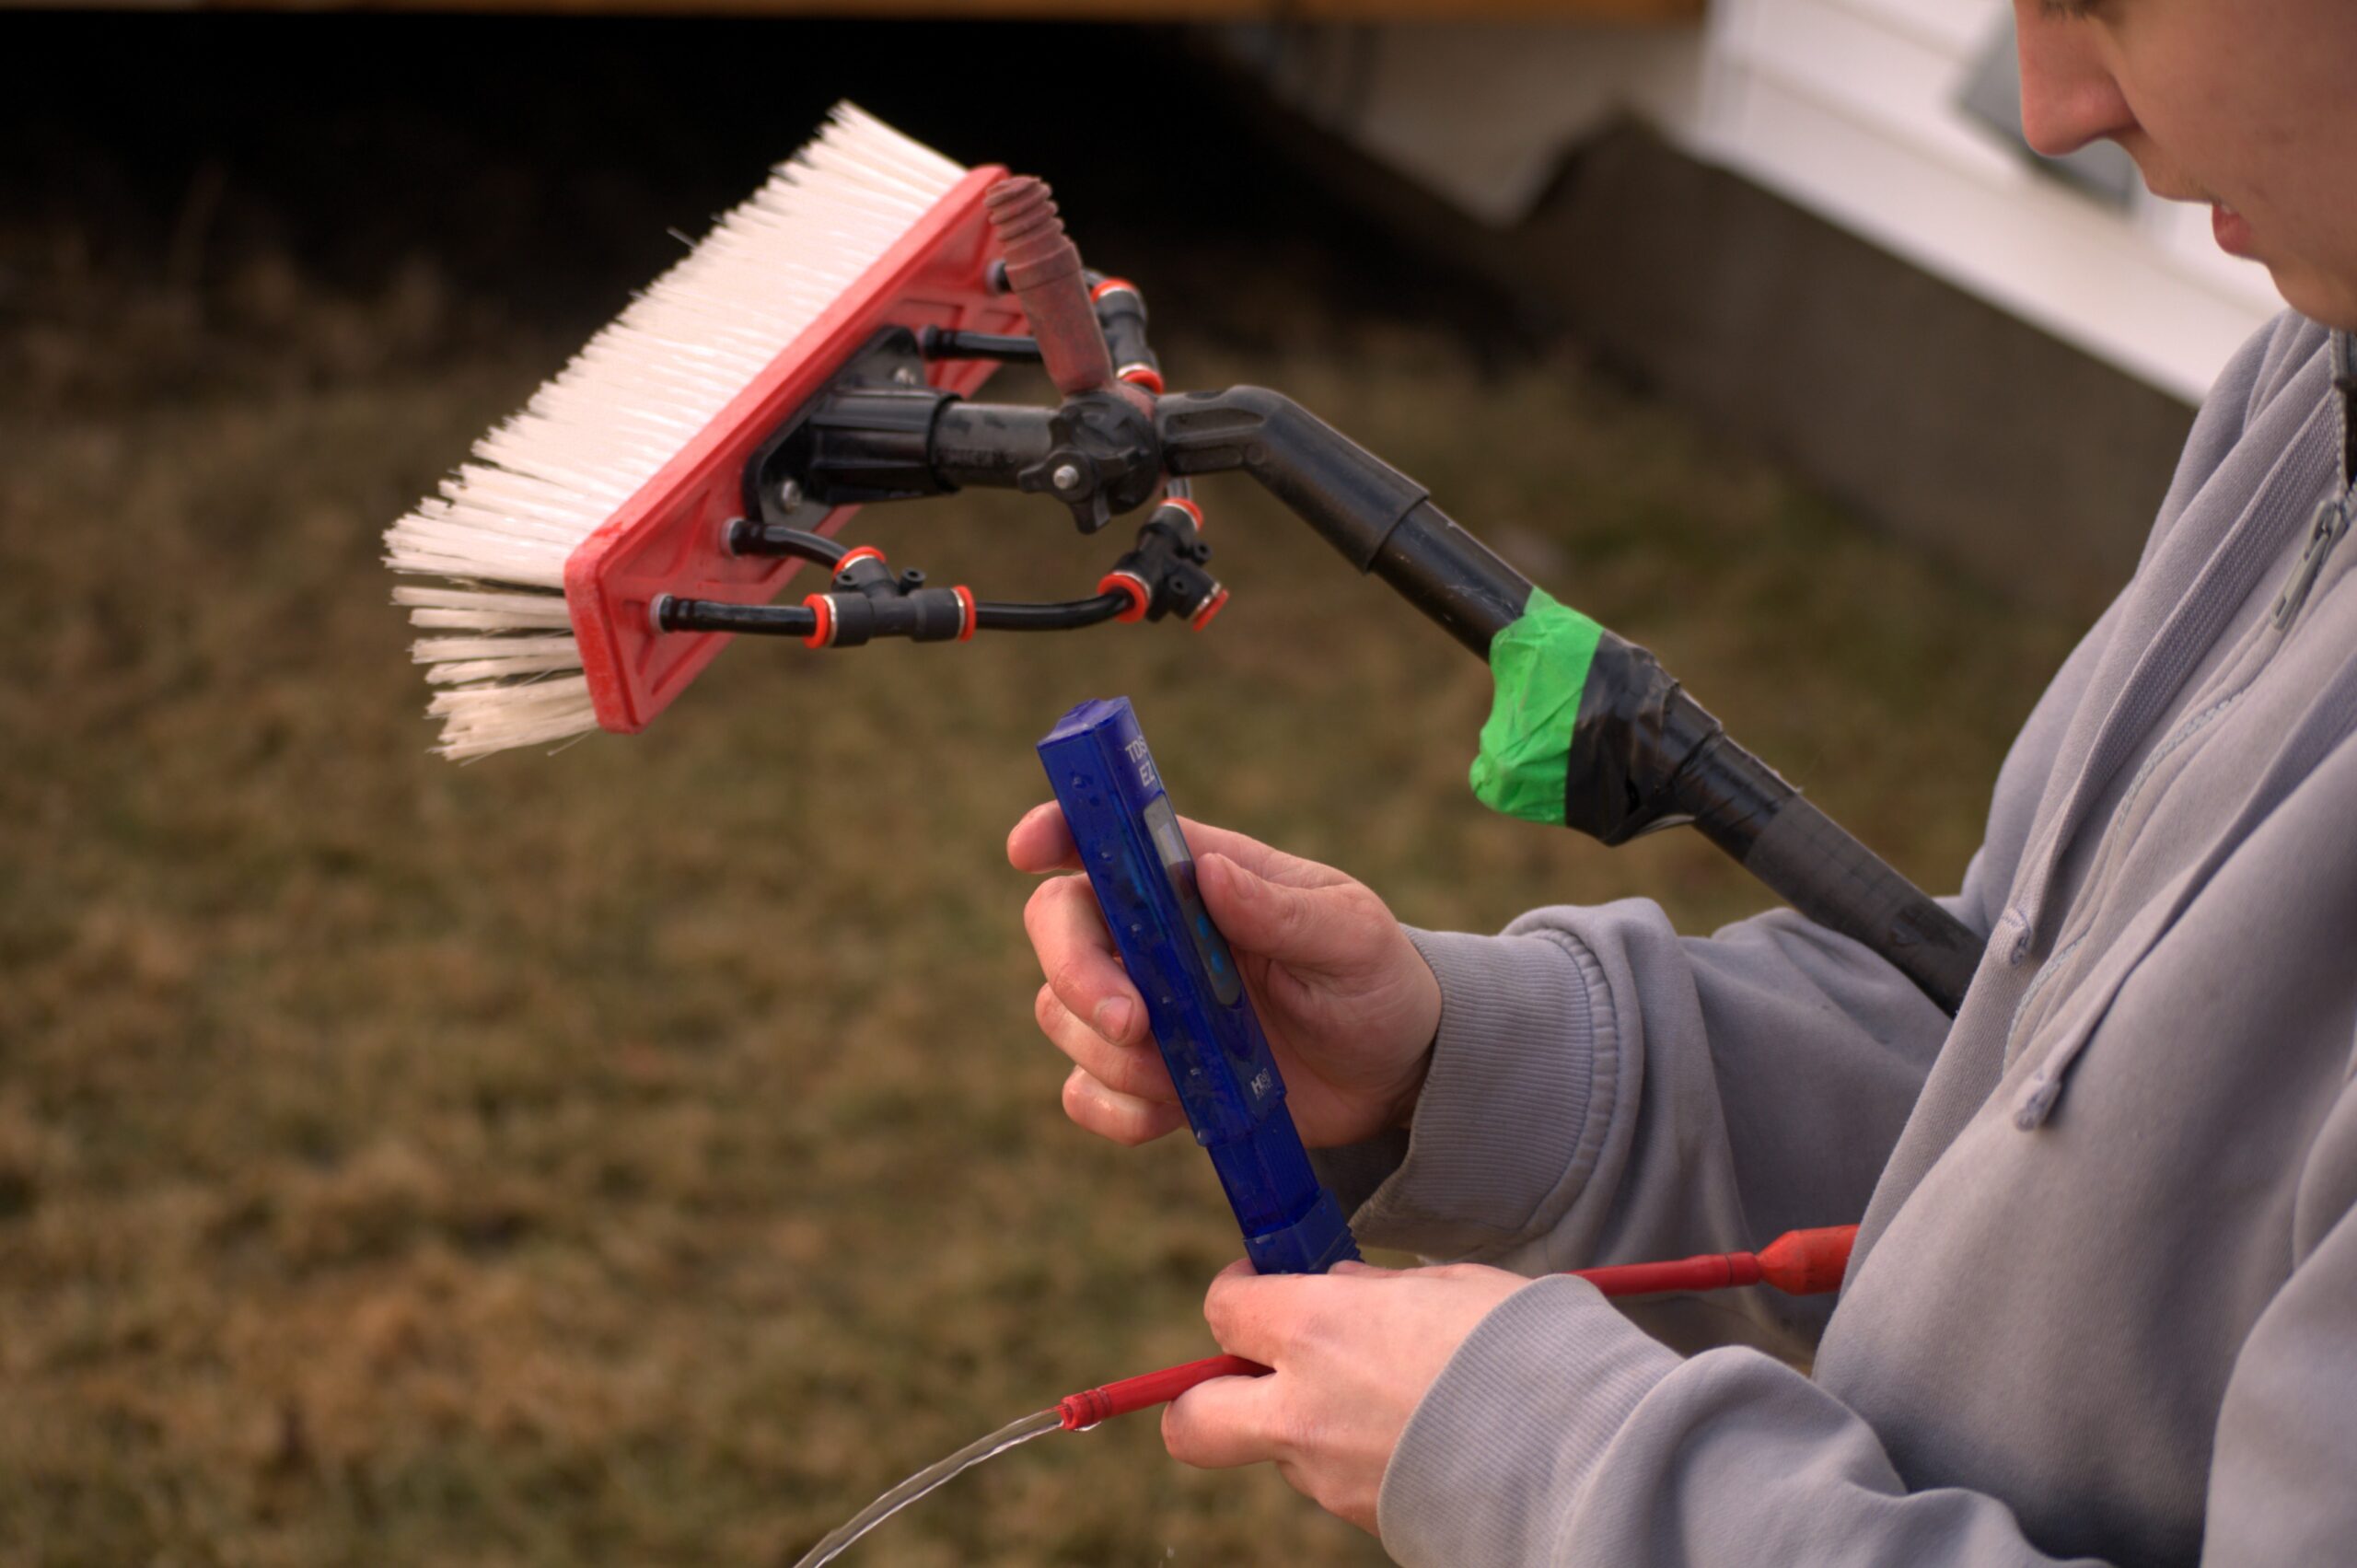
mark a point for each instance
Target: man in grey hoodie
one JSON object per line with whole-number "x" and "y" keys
{"x": 2102, "y": 1306}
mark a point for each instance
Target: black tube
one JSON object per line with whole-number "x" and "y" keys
{"x": 1063, "y": 617}
{"x": 1121, "y": 313}
{"x": 712, "y": 615}
{"x": 944, "y": 343}
{"x": 747, "y": 537}
{"x": 1741, "y": 805}
{"x": 1810, "y": 862}
{"x": 1452, "y": 578}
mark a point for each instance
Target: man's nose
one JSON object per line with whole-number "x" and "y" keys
{"x": 2069, "y": 97}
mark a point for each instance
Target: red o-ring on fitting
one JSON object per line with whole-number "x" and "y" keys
{"x": 1143, "y": 375}
{"x": 1212, "y": 607}
{"x": 1188, "y": 506}
{"x": 864, "y": 549}
{"x": 967, "y": 627}
{"x": 1112, "y": 285}
{"x": 822, "y": 636}
{"x": 1127, "y": 583}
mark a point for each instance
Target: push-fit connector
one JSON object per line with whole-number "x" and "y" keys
{"x": 1163, "y": 575}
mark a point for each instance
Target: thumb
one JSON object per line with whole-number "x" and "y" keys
{"x": 1312, "y": 927}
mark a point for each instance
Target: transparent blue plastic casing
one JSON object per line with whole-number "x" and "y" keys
{"x": 1144, "y": 878}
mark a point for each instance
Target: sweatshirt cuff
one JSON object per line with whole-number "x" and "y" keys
{"x": 1511, "y": 1114}
{"x": 1503, "y": 1443}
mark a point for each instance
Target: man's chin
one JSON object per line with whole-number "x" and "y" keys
{"x": 2328, "y": 299}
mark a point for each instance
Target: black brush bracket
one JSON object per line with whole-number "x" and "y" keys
{"x": 1644, "y": 755}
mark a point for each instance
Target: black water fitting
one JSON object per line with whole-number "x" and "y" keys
{"x": 899, "y": 444}
{"x": 947, "y": 343}
{"x": 1120, "y": 310}
{"x": 870, "y": 600}
{"x": 1169, "y": 559}
{"x": 863, "y": 444}
{"x": 990, "y": 445}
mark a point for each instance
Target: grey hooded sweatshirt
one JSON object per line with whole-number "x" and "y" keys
{"x": 2104, "y": 1303}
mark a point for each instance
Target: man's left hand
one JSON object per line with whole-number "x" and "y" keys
{"x": 1353, "y": 1351}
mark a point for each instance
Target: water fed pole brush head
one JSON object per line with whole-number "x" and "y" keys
{"x": 616, "y": 483}
{"x": 815, "y": 354}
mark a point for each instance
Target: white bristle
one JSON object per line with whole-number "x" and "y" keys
{"x": 553, "y": 474}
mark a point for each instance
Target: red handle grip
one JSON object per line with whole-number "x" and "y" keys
{"x": 1084, "y": 1410}
{"x": 1043, "y": 269}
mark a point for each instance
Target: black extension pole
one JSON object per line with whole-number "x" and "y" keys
{"x": 1644, "y": 755}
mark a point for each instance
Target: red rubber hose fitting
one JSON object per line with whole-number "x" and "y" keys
{"x": 1127, "y": 583}
{"x": 1799, "y": 1262}
{"x": 1809, "y": 1263}
{"x": 1093, "y": 1406}
{"x": 1211, "y": 606}
{"x": 823, "y": 633}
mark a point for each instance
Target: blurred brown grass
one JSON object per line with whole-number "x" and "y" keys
{"x": 643, "y": 1154}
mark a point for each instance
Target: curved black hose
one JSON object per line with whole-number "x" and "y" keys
{"x": 1063, "y": 617}
{"x": 747, "y": 537}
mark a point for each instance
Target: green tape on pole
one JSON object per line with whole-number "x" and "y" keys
{"x": 1540, "y": 665}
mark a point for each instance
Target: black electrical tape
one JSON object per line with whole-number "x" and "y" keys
{"x": 1645, "y": 755}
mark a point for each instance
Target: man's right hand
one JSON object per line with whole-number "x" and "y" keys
{"x": 1348, "y": 1006}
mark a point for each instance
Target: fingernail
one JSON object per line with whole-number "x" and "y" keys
{"x": 1113, "y": 1018}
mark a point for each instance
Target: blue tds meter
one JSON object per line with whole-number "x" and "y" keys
{"x": 1144, "y": 878}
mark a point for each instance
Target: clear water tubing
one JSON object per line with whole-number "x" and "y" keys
{"x": 1073, "y": 1412}
{"x": 930, "y": 1478}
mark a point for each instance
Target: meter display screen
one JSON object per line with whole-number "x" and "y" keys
{"x": 1180, "y": 866}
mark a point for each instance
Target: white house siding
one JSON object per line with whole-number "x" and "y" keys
{"x": 1847, "y": 107}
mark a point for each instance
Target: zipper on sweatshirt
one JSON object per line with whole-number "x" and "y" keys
{"x": 2327, "y": 530}
{"x": 2332, "y": 515}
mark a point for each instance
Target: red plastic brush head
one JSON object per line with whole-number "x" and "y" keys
{"x": 669, "y": 538}
{"x": 615, "y": 485}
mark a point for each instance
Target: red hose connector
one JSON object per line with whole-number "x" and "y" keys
{"x": 1809, "y": 1263}
{"x": 1799, "y": 1262}
{"x": 1043, "y": 269}
{"x": 1092, "y": 1406}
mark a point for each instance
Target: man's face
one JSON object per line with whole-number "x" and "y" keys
{"x": 2249, "y": 105}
